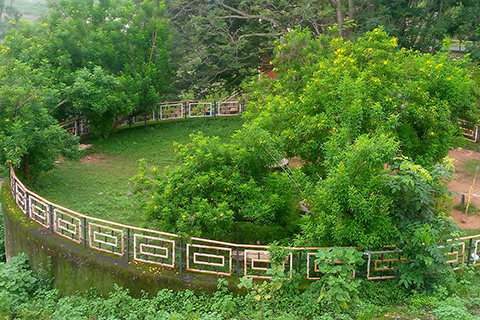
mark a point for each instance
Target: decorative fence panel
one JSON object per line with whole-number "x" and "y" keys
{"x": 189, "y": 108}
{"x": 200, "y": 255}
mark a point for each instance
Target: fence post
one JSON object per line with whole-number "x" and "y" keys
{"x": 181, "y": 259}
{"x": 27, "y": 205}
{"x": 462, "y": 201}
{"x": 238, "y": 263}
{"x": 50, "y": 214}
{"x": 14, "y": 187}
{"x": 128, "y": 245}
{"x": 85, "y": 232}
{"x": 300, "y": 261}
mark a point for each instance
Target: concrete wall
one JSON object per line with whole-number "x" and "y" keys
{"x": 75, "y": 268}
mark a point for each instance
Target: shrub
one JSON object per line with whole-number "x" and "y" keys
{"x": 217, "y": 184}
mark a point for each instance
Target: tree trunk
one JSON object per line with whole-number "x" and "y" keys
{"x": 339, "y": 17}
{"x": 351, "y": 9}
{"x": 351, "y": 16}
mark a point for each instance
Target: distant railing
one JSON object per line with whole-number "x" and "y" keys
{"x": 189, "y": 109}
{"x": 203, "y": 255}
{"x": 469, "y": 133}
{"x": 167, "y": 111}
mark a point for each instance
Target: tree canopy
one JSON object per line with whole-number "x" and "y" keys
{"x": 332, "y": 91}
{"x": 99, "y": 60}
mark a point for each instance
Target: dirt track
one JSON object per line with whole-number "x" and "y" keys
{"x": 461, "y": 183}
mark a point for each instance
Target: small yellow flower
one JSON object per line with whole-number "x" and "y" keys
{"x": 431, "y": 133}
{"x": 221, "y": 214}
{"x": 183, "y": 216}
{"x": 7, "y": 119}
{"x": 153, "y": 197}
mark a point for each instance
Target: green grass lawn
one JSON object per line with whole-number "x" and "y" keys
{"x": 100, "y": 189}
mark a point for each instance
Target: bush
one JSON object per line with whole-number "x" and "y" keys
{"x": 217, "y": 184}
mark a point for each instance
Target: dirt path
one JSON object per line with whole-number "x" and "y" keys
{"x": 462, "y": 183}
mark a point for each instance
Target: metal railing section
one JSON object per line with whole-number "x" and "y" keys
{"x": 200, "y": 255}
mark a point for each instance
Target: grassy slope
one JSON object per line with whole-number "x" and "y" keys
{"x": 100, "y": 189}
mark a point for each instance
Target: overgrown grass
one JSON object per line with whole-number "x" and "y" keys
{"x": 462, "y": 142}
{"x": 101, "y": 189}
{"x": 472, "y": 208}
{"x": 471, "y": 166}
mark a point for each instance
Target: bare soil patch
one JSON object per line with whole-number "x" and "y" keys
{"x": 83, "y": 146}
{"x": 95, "y": 158}
{"x": 295, "y": 162}
{"x": 462, "y": 183}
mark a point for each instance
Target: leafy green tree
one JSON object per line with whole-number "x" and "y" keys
{"x": 331, "y": 88}
{"x": 29, "y": 136}
{"x": 339, "y": 286}
{"x": 118, "y": 46}
{"x": 148, "y": 49}
{"x": 350, "y": 206}
{"x": 97, "y": 95}
{"x": 422, "y": 221}
{"x": 217, "y": 184}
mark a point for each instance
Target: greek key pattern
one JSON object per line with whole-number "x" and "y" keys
{"x": 106, "y": 239}
{"x": 67, "y": 225}
{"x": 200, "y": 109}
{"x": 200, "y": 255}
{"x": 171, "y": 111}
{"x": 228, "y": 108}
{"x": 154, "y": 250}
{"x": 257, "y": 263}
{"x": 38, "y": 211}
{"x": 383, "y": 264}
{"x": 21, "y": 197}
{"x": 209, "y": 259}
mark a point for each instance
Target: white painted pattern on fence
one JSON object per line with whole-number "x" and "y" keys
{"x": 204, "y": 255}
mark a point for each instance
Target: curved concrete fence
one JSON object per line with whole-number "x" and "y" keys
{"x": 87, "y": 251}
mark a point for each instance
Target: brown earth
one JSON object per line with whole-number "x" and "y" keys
{"x": 96, "y": 158}
{"x": 461, "y": 183}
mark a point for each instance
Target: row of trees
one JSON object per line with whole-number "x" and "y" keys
{"x": 102, "y": 60}
{"x": 112, "y": 58}
{"x": 372, "y": 123}
{"x": 219, "y": 42}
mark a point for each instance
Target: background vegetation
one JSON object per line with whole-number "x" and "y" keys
{"x": 28, "y": 295}
{"x": 370, "y": 118}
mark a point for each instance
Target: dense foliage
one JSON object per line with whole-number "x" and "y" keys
{"x": 28, "y": 295}
{"x": 102, "y": 61}
{"x": 232, "y": 38}
{"x": 216, "y": 184}
{"x": 372, "y": 123}
{"x": 29, "y": 135}
{"x": 331, "y": 89}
